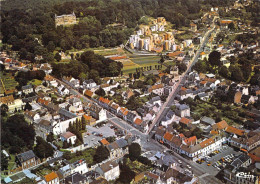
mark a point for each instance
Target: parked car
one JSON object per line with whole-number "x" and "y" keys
{"x": 189, "y": 166}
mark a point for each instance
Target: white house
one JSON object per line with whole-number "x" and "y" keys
{"x": 27, "y": 89}
{"x": 69, "y": 137}
{"x": 63, "y": 90}
{"x": 76, "y": 105}
{"x": 182, "y": 110}
{"x": 89, "y": 84}
{"x": 53, "y": 83}
{"x": 46, "y": 67}
{"x": 168, "y": 119}
{"x": 71, "y": 81}
{"x": 79, "y": 166}
{"x": 109, "y": 170}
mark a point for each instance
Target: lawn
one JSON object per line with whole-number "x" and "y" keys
{"x": 107, "y": 52}
{"x": 35, "y": 82}
{"x": 42, "y": 170}
{"x": 11, "y": 162}
{"x": 87, "y": 154}
{"x": 136, "y": 61}
{"x": 137, "y": 167}
{"x": 8, "y": 81}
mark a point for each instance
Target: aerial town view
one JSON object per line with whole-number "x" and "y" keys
{"x": 130, "y": 91}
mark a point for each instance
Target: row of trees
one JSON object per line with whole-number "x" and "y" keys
{"x": 88, "y": 66}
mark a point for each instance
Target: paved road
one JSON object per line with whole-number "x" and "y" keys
{"x": 171, "y": 97}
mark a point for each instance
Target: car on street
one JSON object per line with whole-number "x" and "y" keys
{"x": 180, "y": 161}
{"x": 189, "y": 166}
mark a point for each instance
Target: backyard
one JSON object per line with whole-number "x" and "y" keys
{"x": 87, "y": 154}
{"x": 7, "y": 82}
{"x": 233, "y": 115}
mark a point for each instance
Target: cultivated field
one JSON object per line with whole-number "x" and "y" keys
{"x": 7, "y": 82}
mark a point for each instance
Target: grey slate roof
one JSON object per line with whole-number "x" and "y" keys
{"x": 121, "y": 143}
{"x": 183, "y": 107}
{"x": 75, "y": 178}
{"x": 66, "y": 113}
{"x": 26, "y": 156}
{"x": 27, "y": 87}
{"x": 240, "y": 160}
{"x": 208, "y": 120}
{"x": 74, "y": 100}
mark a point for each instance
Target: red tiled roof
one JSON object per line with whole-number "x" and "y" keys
{"x": 213, "y": 132}
{"x": 86, "y": 117}
{"x": 168, "y": 136}
{"x": 222, "y": 125}
{"x": 42, "y": 101}
{"x": 226, "y": 21}
{"x": 191, "y": 140}
{"x": 183, "y": 88}
{"x": 104, "y": 142}
{"x": 48, "y": 78}
{"x": 50, "y": 177}
{"x": 104, "y": 100}
{"x": 67, "y": 135}
{"x": 185, "y": 121}
{"x": 181, "y": 136}
{"x": 158, "y": 86}
{"x": 203, "y": 82}
{"x": 7, "y": 99}
{"x": 88, "y": 93}
{"x": 234, "y": 130}
{"x": 207, "y": 142}
{"x": 138, "y": 121}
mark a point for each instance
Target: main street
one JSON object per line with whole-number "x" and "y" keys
{"x": 166, "y": 106}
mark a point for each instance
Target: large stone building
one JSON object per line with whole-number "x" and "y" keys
{"x": 65, "y": 19}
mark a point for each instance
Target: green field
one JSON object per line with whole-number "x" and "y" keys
{"x": 136, "y": 61}
{"x": 8, "y": 82}
{"x": 140, "y": 61}
{"x": 35, "y": 82}
{"x": 107, "y": 52}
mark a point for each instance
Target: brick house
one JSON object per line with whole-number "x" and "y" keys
{"x": 27, "y": 159}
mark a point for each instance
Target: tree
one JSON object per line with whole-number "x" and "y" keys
{"x": 51, "y": 46}
{"x": 57, "y": 56}
{"x": 50, "y": 137}
{"x": 162, "y": 59}
{"x": 126, "y": 174}
{"x": 42, "y": 148}
{"x": 4, "y": 162}
{"x": 83, "y": 123}
{"x": 173, "y": 108}
{"x": 134, "y": 151}
{"x": 27, "y": 106}
{"x": 224, "y": 72}
{"x": 231, "y": 26}
{"x": 182, "y": 67}
{"x": 200, "y": 67}
{"x": 236, "y": 73}
{"x": 101, "y": 154}
{"x": 21, "y": 132}
{"x": 4, "y": 109}
{"x": 214, "y": 58}
{"x": 133, "y": 103}
{"x": 100, "y": 92}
